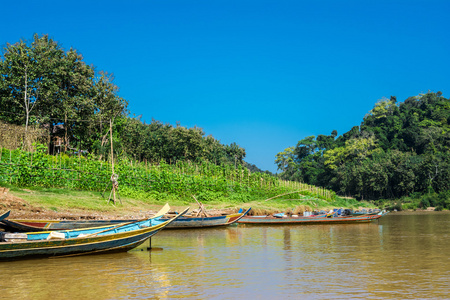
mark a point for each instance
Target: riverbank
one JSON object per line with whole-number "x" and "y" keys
{"x": 41, "y": 203}
{"x": 78, "y": 205}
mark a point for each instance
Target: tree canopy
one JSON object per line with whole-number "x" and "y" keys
{"x": 45, "y": 86}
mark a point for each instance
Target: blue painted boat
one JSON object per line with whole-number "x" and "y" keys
{"x": 180, "y": 222}
{"x": 112, "y": 238}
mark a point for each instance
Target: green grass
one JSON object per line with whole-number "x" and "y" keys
{"x": 59, "y": 200}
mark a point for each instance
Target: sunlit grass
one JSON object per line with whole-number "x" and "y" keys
{"x": 58, "y": 200}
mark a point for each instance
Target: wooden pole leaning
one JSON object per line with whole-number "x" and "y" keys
{"x": 114, "y": 176}
{"x": 201, "y": 208}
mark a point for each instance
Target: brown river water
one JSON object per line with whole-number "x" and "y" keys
{"x": 401, "y": 256}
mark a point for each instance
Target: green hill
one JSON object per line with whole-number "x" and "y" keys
{"x": 399, "y": 150}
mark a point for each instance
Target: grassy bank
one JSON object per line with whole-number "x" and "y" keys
{"x": 65, "y": 183}
{"x": 91, "y": 203}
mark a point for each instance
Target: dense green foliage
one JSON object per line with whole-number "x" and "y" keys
{"x": 399, "y": 150}
{"x": 43, "y": 86}
{"x": 160, "y": 182}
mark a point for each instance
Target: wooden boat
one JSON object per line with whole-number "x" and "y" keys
{"x": 180, "y": 222}
{"x": 4, "y": 215}
{"x": 270, "y": 220}
{"x": 214, "y": 221}
{"x": 122, "y": 237}
{"x": 365, "y": 212}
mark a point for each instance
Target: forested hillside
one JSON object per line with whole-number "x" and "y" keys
{"x": 53, "y": 91}
{"x": 400, "y": 149}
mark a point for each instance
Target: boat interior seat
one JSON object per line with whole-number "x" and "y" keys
{"x": 56, "y": 235}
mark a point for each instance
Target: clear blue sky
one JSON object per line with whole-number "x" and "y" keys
{"x": 263, "y": 74}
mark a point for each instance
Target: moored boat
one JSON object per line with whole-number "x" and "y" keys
{"x": 210, "y": 221}
{"x": 112, "y": 238}
{"x": 180, "y": 222}
{"x": 270, "y": 220}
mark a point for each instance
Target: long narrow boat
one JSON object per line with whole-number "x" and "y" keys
{"x": 180, "y": 222}
{"x": 122, "y": 237}
{"x": 4, "y": 215}
{"x": 269, "y": 220}
{"x": 214, "y": 221}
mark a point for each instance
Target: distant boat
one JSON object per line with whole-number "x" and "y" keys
{"x": 365, "y": 212}
{"x": 270, "y": 220}
{"x": 180, "y": 222}
{"x": 121, "y": 237}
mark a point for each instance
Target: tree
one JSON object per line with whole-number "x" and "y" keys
{"x": 53, "y": 85}
{"x": 107, "y": 106}
{"x": 285, "y": 162}
{"x": 305, "y": 147}
{"x": 27, "y": 71}
{"x": 235, "y": 153}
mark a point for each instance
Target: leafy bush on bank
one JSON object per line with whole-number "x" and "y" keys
{"x": 439, "y": 201}
{"x": 139, "y": 180}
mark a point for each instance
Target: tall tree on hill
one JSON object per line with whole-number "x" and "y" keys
{"x": 235, "y": 153}
{"x": 285, "y": 162}
{"x": 74, "y": 106}
{"x": 28, "y": 72}
{"x": 54, "y": 87}
{"x": 107, "y": 106}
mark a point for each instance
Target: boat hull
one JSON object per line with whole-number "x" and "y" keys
{"x": 307, "y": 220}
{"x": 187, "y": 222}
{"x": 76, "y": 246}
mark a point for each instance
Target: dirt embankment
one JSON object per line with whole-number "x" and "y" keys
{"x": 18, "y": 206}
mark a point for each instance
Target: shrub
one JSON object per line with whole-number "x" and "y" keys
{"x": 398, "y": 207}
{"x": 424, "y": 203}
{"x": 416, "y": 195}
{"x": 444, "y": 199}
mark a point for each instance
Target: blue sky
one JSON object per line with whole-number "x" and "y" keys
{"x": 263, "y": 74}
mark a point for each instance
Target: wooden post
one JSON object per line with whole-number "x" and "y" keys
{"x": 10, "y": 172}
{"x": 149, "y": 244}
{"x": 112, "y": 161}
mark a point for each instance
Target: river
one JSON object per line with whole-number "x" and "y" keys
{"x": 401, "y": 256}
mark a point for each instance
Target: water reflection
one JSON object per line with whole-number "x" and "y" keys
{"x": 287, "y": 239}
{"x": 400, "y": 257}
